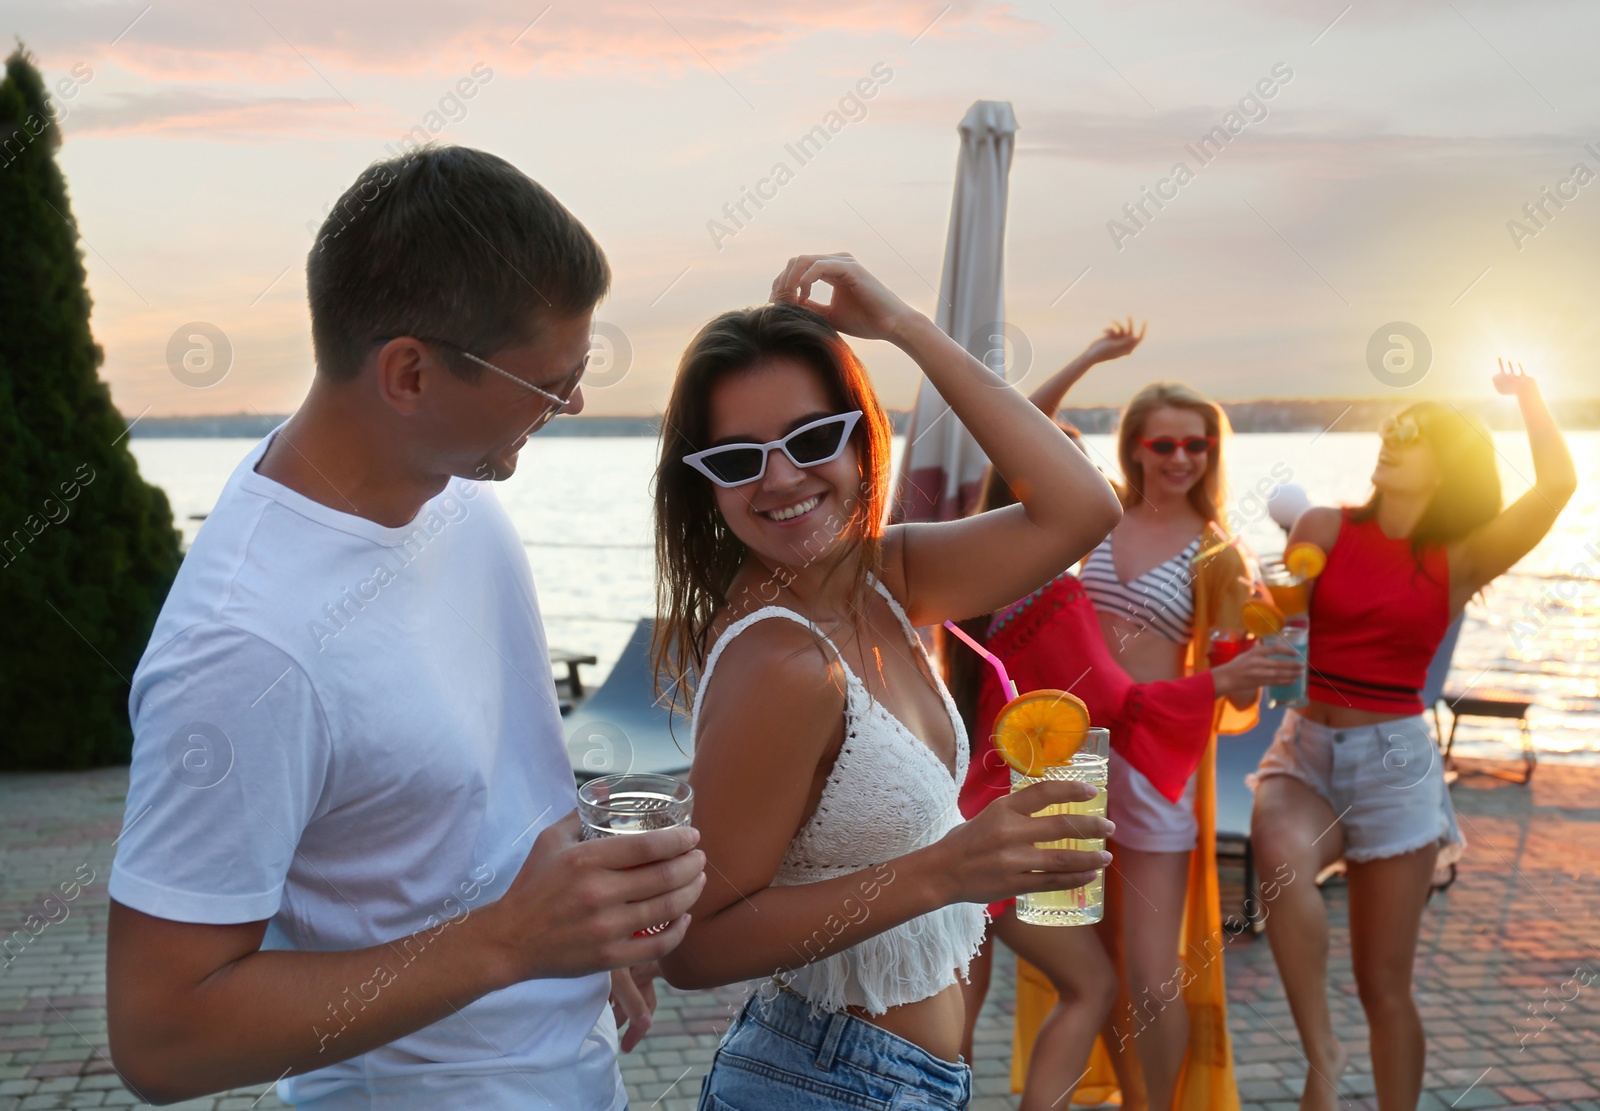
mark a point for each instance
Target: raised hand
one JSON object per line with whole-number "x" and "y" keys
{"x": 1115, "y": 342}
{"x": 860, "y": 305}
{"x": 1513, "y": 380}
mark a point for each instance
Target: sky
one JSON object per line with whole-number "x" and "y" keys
{"x": 1383, "y": 183}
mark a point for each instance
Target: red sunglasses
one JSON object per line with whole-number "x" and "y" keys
{"x": 1193, "y": 445}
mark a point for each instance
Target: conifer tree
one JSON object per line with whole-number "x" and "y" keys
{"x": 87, "y": 547}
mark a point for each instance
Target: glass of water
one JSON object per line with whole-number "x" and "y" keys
{"x": 1081, "y": 905}
{"x": 633, "y": 802}
{"x": 618, "y": 805}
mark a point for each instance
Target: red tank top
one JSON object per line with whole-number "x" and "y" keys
{"x": 1376, "y": 620}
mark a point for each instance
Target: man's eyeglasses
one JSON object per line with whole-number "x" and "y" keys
{"x": 1193, "y": 445}
{"x": 558, "y": 401}
{"x": 1399, "y": 431}
{"x": 821, "y": 441}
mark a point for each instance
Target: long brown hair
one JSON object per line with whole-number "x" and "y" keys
{"x": 1207, "y": 495}
{"x": 697, "y": 555}
{"x": 1469, "y": 494}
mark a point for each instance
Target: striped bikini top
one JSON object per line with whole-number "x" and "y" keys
{"x": 1161, "y": 599}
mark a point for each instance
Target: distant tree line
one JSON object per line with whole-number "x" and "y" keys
{"x": 1335, "y": 414}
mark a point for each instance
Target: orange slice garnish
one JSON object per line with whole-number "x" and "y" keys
{"x": 1305, "y": 559}
{"x": 1040, "y": 729}
{"x": 1262, "y": 618}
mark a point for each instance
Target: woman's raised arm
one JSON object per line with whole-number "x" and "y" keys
{"x": 1116, "y": 341}
{"x": 1492, "y": 549}
{"x": 960, "y": 568}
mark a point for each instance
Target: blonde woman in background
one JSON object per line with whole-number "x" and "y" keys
{"x": 1160, "y": 583}
{"x": 1053, "y": 638}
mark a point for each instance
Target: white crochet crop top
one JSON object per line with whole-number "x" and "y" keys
{"x": 887, "y": 795}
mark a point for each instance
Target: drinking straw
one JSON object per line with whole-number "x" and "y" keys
{"x": 1005, "y": 680}
{"x": 1232, "y": 541}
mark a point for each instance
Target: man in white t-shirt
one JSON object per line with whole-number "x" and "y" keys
{"x": 350, "y": 860}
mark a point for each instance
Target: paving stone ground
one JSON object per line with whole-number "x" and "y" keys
{"x": 1508, "y": 974}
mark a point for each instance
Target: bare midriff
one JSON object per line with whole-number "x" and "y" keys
{"x": 1146, "y": 655}
{"x": 1345, "y": 717}
{"x": 933, "y": 1024}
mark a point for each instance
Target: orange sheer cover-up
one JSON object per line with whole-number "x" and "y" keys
{"x": 1167, "y": 730}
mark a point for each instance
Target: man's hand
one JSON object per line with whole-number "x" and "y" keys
{"x": 633, "y": 1001}
{"x": 578, "y": 907}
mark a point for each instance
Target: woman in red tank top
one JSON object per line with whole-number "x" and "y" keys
{"x": 1354, "y": 774}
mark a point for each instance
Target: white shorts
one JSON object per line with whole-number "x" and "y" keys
{"x": 1145, "y": 820}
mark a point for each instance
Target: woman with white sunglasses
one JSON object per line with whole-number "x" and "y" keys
{"x": 1354, "y": 774}
{"x": 828, "y": 754}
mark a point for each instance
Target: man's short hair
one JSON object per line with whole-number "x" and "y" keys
{"x": 448, "y": 243}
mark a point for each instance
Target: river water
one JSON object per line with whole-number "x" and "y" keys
{"x": 582, "y": 507}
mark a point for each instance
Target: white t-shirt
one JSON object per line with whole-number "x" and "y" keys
{"x": 352, "y": 731}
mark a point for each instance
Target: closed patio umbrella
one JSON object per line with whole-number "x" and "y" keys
{"x": 941, "y": 474}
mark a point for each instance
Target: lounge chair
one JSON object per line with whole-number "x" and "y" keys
{"x": 1476, "y": 702}
{"x": 622, "y": 727}
{"x": 1432, "y": 695}
{"x": 1438, "y": 672}
{"x": 569, "y": 687}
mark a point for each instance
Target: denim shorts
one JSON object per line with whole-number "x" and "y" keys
{"x": 778, "y": 1056}
{"x": 1385, "y": 781}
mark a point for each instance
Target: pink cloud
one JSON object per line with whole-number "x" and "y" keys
{"x": 211, "y": 115}
{"x": 286, "y": 68}
{"x": 276, "y": 40}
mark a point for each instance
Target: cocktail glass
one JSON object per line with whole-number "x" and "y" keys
{"x": 1293, "y": 638}
{"x": 1290, "y": 593}
{"x": 1080, "y": 905}
{"x": 1226, "y": 645}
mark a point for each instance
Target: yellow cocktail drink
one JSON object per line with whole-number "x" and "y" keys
{"x": 1079, "y": 906}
